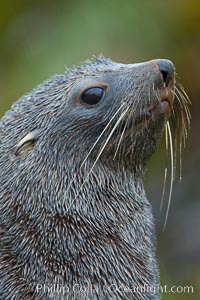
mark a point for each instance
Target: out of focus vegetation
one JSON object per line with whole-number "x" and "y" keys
{"x": 40, "y": 38}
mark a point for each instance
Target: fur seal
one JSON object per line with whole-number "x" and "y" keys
{"x": 75, "y": 220}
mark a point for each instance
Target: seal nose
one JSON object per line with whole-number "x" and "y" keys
{"x": 167, "y": 70}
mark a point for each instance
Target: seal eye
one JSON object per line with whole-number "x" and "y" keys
{"x": 93, "y": 95}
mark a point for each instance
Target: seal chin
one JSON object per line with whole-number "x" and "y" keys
{"x": 167, "y": 106}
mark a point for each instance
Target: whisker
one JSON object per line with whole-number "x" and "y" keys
{"x": 179, "y": 85}
{"x": 157, "y": 96}
{"x": 181, "y": 122}
{"x": 103, "y": 131}
{"x": 166, "y": 169}
{"x": 100, "y": 152}
{"x": 184, "y": 103}
{"x": 185, "y": 106}
{"x": 120, "y": 140}
{"x": 172, "y": 173}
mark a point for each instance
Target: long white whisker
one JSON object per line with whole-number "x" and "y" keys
{"x": 165, "y": 173}
{"x": 172, "y": 174}
{"x": 100, "y": 152}
{"x": 121, "y": 137}
{"x": 74, "y": 177}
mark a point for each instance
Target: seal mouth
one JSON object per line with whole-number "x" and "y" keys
{"x": 162, "y": 105}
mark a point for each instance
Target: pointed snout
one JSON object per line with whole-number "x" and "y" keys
{"x": 167, "y": 70}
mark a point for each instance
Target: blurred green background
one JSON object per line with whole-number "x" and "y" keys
{"x": 41, "y": 38}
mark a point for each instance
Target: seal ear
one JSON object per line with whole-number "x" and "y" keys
{"x": 27, "y": 143}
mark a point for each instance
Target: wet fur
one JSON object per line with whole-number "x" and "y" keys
{"x": 66, "y": 222}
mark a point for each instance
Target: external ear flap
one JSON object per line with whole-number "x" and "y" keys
{"x": 27, "y": 143}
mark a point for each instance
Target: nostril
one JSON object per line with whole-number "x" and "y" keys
{"x": 166, "y": 77}
{"x": 167, "y": 70}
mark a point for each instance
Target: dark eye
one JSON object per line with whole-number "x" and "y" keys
{"x": 92, "y": 95}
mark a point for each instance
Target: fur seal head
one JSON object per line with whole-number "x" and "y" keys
{"x": 73, "y": 153}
